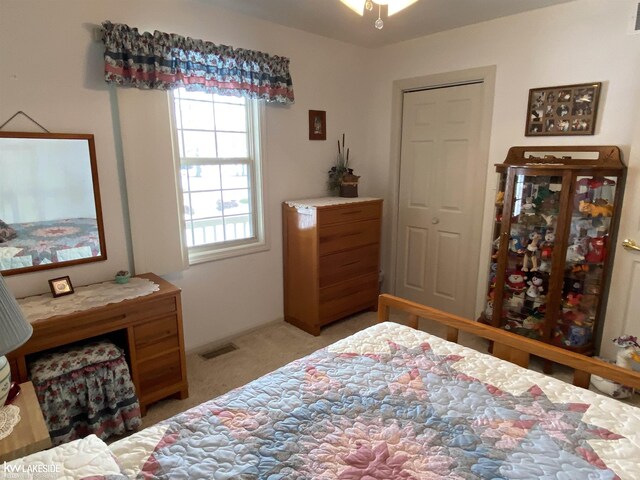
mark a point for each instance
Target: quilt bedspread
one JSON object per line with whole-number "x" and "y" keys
{"x": 391, "y": 402}
{"x": 40, "y": 243}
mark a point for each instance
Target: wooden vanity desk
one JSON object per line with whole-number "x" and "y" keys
{"x": 148, "y": 328}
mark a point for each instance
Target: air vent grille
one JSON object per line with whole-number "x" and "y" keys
{"x": 216, "y": 352}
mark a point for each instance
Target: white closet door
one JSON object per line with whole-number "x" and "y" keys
{"x": 440, "y": 199}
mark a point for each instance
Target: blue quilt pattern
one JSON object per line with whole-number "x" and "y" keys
{"x": 408, "y": 414}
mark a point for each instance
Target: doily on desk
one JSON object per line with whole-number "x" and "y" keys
{"x": 97, "y": 295}
{"x": 9, "y": 418}
{"x": 326, "y": 201}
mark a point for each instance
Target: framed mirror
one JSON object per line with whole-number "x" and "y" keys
{"x": 50, "y": 212}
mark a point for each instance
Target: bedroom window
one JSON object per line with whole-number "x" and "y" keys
{"x": 218, "y": 139}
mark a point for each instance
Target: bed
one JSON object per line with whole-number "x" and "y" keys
{"x": 393, "y": 402}
{"x": 41, "y": 243}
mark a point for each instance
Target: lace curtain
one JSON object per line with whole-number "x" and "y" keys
{"x": 164, "y": 61}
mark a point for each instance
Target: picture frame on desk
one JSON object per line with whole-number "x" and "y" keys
{"x": 61, "y": 286}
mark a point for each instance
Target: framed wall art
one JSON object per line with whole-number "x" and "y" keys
{"x": 563, "y": 110}
{"x": 317, "y": 125}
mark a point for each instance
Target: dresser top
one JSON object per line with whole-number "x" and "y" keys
{"x": 327, "y": 201}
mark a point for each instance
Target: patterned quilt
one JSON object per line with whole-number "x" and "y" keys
{"x": 388, "y": 403}
{"x": 40, "y": 243}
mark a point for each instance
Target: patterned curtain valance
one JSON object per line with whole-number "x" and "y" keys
{"x": 164, "y": 61}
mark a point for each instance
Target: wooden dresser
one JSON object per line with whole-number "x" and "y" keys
{"x": 149, "y": 328}
{"x": 331, "y": 259}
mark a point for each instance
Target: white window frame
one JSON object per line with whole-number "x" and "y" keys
{"x": 260, "y": 241}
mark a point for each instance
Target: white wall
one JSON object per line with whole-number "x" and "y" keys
{"x": 577, "y": 42}
{"x": 52, "y": 69}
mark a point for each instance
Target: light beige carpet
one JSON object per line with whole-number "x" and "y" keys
{"x": 268, "y": 348}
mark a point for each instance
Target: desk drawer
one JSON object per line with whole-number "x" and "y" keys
{"x": 342, "y": 266}
{"x": 345, "y": 236}
{"x": 154, "y": 338}
{"x": 349, "y": 213}
{"x": 56, "y": 331}
{"x": 158, "y": 373}
{"x": 343, "y": 299}
{"x": 152, "y": 309}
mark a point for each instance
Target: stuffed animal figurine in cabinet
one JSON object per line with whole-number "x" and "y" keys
{"x": 596, "y": 251}
{"x": 574, "y": 254}
{"x": 535, "y": 283}
{"x": 600, "y": 208}
{"x": 515, "y": 245}
{"x": 528, "y": 215}
{"x": 546, "y": 249}
{"x": 531, "y": 253}
{"x": 516, "y": 281}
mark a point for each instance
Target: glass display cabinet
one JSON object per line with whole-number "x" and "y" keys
{"x": 555, "y": 223}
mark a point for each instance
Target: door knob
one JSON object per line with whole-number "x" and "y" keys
{"x": 630, "y": 244}
{"x": 435, "y": 221}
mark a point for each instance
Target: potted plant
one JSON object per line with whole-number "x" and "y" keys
{"x": 122, "y": 276}
{"x": 341, "y": 178}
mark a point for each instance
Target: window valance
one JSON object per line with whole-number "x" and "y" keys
{"x": 164, "y": 61}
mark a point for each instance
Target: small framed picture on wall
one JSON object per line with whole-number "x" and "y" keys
{"x": 563, "y": 110}
{"x": 317, "y": 125}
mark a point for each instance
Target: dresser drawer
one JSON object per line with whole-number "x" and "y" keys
{"x": 153, "y": 338}
{"x": 335, "y": 238}
{"x": 349, "y": 213}
{"x": 158, "y": 373}
{"x": 341, "y": 266}
{"x": 340, "y": 300}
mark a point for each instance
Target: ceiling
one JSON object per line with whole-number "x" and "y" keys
{"x": 331, "y": 18}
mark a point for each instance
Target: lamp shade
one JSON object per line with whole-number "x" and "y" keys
{"x": 14, "y": 329}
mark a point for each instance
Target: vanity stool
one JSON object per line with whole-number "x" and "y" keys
{"x": 85, "y": 389}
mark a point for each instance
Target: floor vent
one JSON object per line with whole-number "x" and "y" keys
{"x": 216, "y": 352}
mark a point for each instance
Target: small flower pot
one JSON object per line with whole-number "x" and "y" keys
{"x": 122, "y": 279}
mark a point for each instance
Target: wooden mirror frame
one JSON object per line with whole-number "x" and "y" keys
{"x": 96, "y": 195}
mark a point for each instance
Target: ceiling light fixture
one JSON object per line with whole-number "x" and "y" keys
{"x": 393, "y": 6}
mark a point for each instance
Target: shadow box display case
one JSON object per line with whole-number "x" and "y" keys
{"x": 555, "y": 223}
